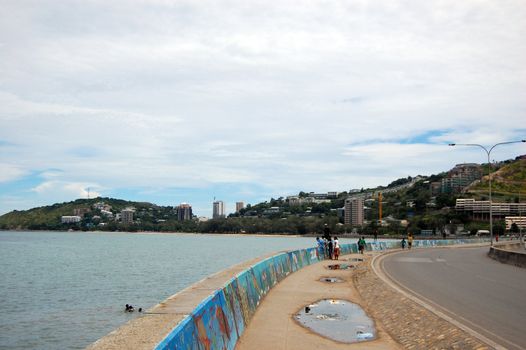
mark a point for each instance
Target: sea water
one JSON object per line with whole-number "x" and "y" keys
{"x": 64, "y": 290}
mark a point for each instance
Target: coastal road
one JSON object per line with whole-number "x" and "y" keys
{"x": 484, "y": 295}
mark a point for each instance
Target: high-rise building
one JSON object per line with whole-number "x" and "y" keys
{"x": 239, "y": 206}
{"x": 354, "y": 213}
{"x": 127, "y": 216}
{"x": 218, "y": 210}
{"x": 184, "y": 212}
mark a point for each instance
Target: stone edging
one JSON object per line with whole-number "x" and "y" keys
{"x": 408, "y": 323}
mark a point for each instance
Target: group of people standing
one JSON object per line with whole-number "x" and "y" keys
{"x": 329, "y": 245}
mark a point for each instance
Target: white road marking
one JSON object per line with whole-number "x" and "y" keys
{"x": 413, "y": 260}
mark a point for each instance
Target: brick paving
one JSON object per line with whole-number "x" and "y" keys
{"x": 409, "y": 324}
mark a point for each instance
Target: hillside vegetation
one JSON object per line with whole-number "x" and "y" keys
{"x": 408, "y": 204}
{"x": 48, "y": 217}
{"x": 508, "y": 183}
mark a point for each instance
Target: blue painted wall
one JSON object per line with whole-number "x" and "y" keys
{"x": 219, "y": 320}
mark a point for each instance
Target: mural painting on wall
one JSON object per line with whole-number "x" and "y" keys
{"x": 233, "y": 298}
{"x": 183, "y": 337}
{"x": 243, "y": 296}
{"x": 261, "y": 275}
{"x": 213, "y": 330}
{"x": 248, "y": 293}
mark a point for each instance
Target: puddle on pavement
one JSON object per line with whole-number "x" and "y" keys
{"x": 340, "y": 267}
{"x": 339, "y": 320}
{"x": 355, "y": 259}
{"x": 331, "y": 280}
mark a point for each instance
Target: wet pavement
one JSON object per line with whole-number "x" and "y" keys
{"x": 338, "y": 320}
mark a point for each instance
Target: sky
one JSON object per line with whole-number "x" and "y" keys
{"x": 186, "y": 101}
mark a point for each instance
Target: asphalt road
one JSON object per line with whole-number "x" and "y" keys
{"x": 483, "y": 294}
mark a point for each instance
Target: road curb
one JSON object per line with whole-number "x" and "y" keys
{"x": 426, "y": 303}
{"x": 407, "y": 321}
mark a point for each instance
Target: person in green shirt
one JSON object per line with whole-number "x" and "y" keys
{"x": 361, "y": 245}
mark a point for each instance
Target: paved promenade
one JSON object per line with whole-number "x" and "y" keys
{"x": 273, "y": 326}
{"x": 400, "y": 322}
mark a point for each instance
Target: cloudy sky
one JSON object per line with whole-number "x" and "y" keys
{"x": 183, "y": 101}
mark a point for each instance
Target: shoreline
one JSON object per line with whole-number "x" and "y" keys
{"x": 308, "y": 235}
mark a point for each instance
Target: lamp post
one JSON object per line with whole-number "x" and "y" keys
{"x": 488, "y": 152}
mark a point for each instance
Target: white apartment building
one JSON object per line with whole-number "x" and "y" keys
{"x": 480, "y": 209}
{"x": 71, "y": 219}
{"x": 519, "y": 220}
{"x": 218, "y": 210}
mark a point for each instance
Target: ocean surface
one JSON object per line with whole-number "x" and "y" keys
{"x": 65, "y": 290}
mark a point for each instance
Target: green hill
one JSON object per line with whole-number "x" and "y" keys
{"x": 508, "y": 183}
{"x": 48, "y": 217}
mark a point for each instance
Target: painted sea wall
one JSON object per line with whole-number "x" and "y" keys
{"x": 219, "y": 320}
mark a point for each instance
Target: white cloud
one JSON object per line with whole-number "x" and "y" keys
{"x": 10, "y": 172}
{"x": 67, "y": 189}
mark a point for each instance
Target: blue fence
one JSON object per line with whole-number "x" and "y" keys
{"x": 219, "y": 320}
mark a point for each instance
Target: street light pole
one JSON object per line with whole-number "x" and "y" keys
{"x": 488, "y": 152}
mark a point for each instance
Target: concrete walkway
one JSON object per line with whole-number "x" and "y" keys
{"x": 401, "y": 323}
{"x": 273, "y": 326}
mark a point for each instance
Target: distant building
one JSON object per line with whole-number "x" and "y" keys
{"x": 184, "y": 212}
{"x": 272, "y": 210}
{"x": 480, "y": 209}
{"x": 102, "y": 206}
{"x": 460, "y": 177}
{"x": 80, "y": 211}
{"x": 239, "y": 206}
{"x": 318, "y": 195}
{"x": 520, "y": 221}
{"x": 106, "y": 213}
{"x": 313, "y": 198}
{"x": 70, "y": 219}
{"x": 435, "y": 187}
{"x": 354, "y": 211}
{"x": 294, "y": 200}
{"x": 218, "y": 210}
{"x": 127, "y": 216}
